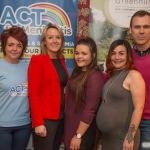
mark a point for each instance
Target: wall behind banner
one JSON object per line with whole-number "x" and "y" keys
{"x": 33, "y": 15}
{"x": 109, "y": 20}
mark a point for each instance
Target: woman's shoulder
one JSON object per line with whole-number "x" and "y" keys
{"x": 135, "y": 80}
{"x": 23, "y": 64}
{"x": 95, "y": 74}
{"x": 95, "y": 71}
{"x": 37, "y": 60}
{"x": 39, "y": 56}
{"x": 134, "y": 75}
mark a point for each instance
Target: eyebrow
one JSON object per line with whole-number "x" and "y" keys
{"x": 13, "y": 43}
{"x": 120, "y": 51}
{"x": 146, "y": 25}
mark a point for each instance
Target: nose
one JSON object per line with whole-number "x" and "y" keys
{"x": 79, "y": 56}
{"x": 141, "y": 30}
{"x": 15, "y": 47}
{"x": 116, "y": 56}
{"x": 54, "y": 39}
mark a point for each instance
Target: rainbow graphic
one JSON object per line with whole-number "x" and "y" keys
{"x": 54, "y": 14}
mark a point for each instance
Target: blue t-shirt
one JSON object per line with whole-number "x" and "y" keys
{"x": 14, "y": 106}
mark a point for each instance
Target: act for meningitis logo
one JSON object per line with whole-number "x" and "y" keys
{"x": 19, "y": 90}
{"x": 34, "y": 17}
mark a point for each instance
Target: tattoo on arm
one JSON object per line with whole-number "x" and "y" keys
{"x": 129, "y": 136}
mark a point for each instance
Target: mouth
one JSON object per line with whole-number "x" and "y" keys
{"x": 55, "y": 45}
{"x": 141, "y": 38}
{"x": 79, "y": 61}
{"x": 117, "y": 62}
{"x": 14, "y": 53}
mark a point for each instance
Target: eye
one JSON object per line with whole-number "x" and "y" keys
{"x": 146, "y": 27}
{"x": 58, "y": 37}
{"x": 76, "y": 53}
{"x": 137, "y": 27}
{"x": 113, "y": 53}
{"x": 10, "y": 44}
{"x": 20, "y": 46}
{"x": 121, "y": 53}
{"x": 50, "y": 37}
{"x": 84, "y": 53}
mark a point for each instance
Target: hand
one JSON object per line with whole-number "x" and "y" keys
{"x": 75, "y": 143}
{"x": 128, "y": 145}
{"x": 41, "y": 130}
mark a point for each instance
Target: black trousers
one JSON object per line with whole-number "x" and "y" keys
{"x": 89, "y": 138}
{"x": 53, "y": 139}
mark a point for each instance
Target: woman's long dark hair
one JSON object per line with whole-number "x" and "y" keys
{"x": 80, "y": 83}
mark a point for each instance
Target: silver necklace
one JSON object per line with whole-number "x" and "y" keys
{"x": 108, "y": 86}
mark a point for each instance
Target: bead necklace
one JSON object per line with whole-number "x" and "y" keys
{"x": 109, "y": 84}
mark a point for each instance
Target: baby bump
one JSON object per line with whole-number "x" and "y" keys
{"x": 111, "y": 119}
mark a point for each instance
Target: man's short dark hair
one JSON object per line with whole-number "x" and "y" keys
{"x": 140, "y": 13}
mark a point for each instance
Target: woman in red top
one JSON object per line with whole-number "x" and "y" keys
{"x": 47, "y": 78}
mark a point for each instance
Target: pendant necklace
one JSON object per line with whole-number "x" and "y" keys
{"x": 108, "y": 86}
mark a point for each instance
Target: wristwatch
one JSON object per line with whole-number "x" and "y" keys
{"x": 78, "y": 135}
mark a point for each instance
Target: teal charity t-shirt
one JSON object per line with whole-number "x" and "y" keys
{"x": 14, "y": 106}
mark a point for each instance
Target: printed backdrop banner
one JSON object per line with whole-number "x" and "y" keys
{"x": 109, "y": 20}
{"x": 33, "y": 15}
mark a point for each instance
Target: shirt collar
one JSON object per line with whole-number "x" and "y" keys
{"x": 141, "y": 53}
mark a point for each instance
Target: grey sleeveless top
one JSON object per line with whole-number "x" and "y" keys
{"x": 115, "y": 112}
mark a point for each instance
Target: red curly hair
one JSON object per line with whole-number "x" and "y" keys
{"x": 129, "y": 63}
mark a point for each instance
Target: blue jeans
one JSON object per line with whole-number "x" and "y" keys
{"x": 14, "y": 138}
{"x": 145, "y": 135}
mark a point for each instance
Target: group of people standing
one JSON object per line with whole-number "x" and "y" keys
{"x": 72, "y": 108}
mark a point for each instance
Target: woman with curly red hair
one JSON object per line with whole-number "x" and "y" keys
{"x": 123, "y": 99}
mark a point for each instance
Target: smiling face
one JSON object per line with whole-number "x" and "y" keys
{"x": 13, "y": 50}
{"x": 53, "y": 42}
{"x": 83, "y": 56}
{"x": 119, "y": 57}
{"x": 140, "y": 31}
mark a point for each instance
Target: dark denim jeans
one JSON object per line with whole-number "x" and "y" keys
{"x": 145, "y": 135}
{"x": 14, "y": 138}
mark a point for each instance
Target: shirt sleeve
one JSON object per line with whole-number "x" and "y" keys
{"x": 34, "y": 82}
{"x": 93, "y": 92}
